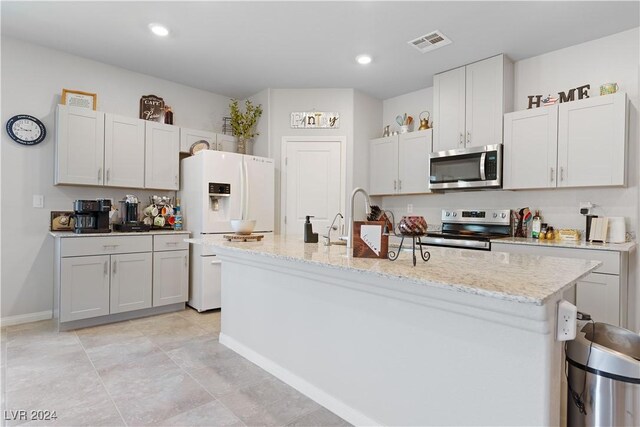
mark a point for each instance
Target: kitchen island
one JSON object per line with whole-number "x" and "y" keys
{"x": 467, "y": 338}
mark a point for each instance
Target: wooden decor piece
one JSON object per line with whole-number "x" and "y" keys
{"x": 152, "y": 108}
{"x": 78, "y": 98}
{"x": 369, "y": 240}
{"x": 243, "y": 237}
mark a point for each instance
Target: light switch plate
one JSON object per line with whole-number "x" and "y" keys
{"x": 38, "y": 201}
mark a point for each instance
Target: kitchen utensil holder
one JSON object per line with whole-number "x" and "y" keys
{"x": 424, "y": 254}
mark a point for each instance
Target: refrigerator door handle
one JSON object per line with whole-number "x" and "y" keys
{"x": 242, "y": 190}
{"x": 247, "y": 184}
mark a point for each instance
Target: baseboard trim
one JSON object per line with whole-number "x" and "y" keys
{"x": 333, "y": 404}
{"x": 26, "y": 318}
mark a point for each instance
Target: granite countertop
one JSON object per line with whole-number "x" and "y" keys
{"x": 65, "y": 234}
{"x": 617, "y": 247}
{"x": 512, "y": 277}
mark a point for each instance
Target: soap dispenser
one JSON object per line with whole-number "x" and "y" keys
{"x": 309, "y": 235}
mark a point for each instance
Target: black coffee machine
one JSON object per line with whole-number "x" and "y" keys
{"x": 92, "y": 216}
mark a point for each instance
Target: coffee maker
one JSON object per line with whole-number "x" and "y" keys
{"x": 92, "y": 216}
{"x": 129, "y": 216}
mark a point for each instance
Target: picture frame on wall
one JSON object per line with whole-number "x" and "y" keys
{"x": 78, "y": 98}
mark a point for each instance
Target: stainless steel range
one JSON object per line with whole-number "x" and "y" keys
{"x": 470, "y": 229}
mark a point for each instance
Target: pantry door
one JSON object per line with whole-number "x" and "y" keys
{"x": 313, "y": 182}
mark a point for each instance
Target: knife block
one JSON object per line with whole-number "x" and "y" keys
{"x": 362, "y": 244}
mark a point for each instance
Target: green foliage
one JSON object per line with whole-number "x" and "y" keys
{"x": 243, "y": 124}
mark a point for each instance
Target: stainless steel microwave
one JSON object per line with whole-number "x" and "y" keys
{"x": 466, "y": 168}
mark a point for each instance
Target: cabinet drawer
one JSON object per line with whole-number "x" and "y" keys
{"x": 170, "y": 242}
{"x": 610, "y": 259}
{"x": 103, "y": 245}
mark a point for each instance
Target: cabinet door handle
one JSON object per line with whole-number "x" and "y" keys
{"x": 395, "y": 185}
{"x": 468, "y": 137}
{"x": 551, "y": 175}
{"x": 561, "y": 173}
{"x": 461, "y": 138}
{"x": 172, "y": 243}
{"x": 115, "y": 263}
{"x": 108, "y": 175}
{"x": 106, "y": 268}
{"x": 399, "y": 184}
{"x": 185, "y": 260}
{"x": 176, "y": 180}
{"x": 99, "y": 174}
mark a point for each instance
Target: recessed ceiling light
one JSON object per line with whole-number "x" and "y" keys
{"x": 159, "y": 30}
{"x": 363, "y": 59}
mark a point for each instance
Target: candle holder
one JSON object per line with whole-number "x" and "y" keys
{"x": 424, "y": 254}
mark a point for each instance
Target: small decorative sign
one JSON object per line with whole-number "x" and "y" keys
{"x": 315, "y": 120}
{"x": 152, "y": 108}
{"x": 570, "y": 95}
{"x": 369, "y": 240}
{"x": 76, "y": 98}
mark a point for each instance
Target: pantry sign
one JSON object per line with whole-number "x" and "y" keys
{"x": 315, "y": 120}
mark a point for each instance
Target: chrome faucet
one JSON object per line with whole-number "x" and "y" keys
{"x": 367, "y": 209}
{"x": 327, "y": 241}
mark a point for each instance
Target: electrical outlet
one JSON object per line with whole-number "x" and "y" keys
{"x": 410, "y": 208}
{"x": 585, "y": 207}
{"x": 567, "y": 321}
{"x": 38, "y": 201}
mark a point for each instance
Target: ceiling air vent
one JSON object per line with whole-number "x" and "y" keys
{"x": 431, "y": 41}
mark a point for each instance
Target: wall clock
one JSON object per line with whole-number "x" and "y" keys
{"x": 26, "y": 130}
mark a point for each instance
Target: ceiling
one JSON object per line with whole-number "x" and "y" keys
{"x": 237, "y": 48}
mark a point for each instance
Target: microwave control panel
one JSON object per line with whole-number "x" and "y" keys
{"x": 219, "y": 189}
{"x": 491, "y": 166}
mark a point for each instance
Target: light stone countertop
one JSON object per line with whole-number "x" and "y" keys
{"x": 68, "y": 234}
{"x": 512, "y": 277}
{"x": 616, "y": 247}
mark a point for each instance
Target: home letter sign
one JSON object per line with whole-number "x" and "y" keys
{"x": 570, "y": 95}
{"x": 315, "y": 120}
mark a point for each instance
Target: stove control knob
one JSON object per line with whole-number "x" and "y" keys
{"x": 455, "y": 214}
{"x": 495, "y": 215}
{"x": 503, "y": 215}
{"x": 447, "y": 213}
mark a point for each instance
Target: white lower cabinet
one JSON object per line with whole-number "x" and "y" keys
{"x": 603, "y": 294}
{"x": 170, "y": 277}
{"x": 130, "y": 282}
{"x": 84, "y": 290}
{"x": 110, "y": 274}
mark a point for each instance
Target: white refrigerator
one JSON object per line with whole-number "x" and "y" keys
{"x": 217, "y": 187}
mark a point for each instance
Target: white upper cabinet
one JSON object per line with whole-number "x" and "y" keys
{"x": 530, "y": 148}
{"x": 162, "y": 162}
{"x": 469, "y": 103}
{"x": 485, "y": 101}
{"x": 123, "y": 151}
{"x": 574, "y": 144}
{"x": 190, "y": 136}
{"x": 413, "y": 162}
{"x": 399, "y": 164}
{"x": 383, "y": 165}
{"x": 592, "y": 141}
{"x": 79, "y": 148}
{"x": 449, "y": 110}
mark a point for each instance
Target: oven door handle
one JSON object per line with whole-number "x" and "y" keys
{"x": 456, "y": 243}
{"x": 483, "y": 157}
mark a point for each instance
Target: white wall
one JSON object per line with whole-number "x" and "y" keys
{"x": 285, "y": 101}
{"x": 610, "y": 59}
{"x": 32, "y": 80}
{"x": 412, "y": 103}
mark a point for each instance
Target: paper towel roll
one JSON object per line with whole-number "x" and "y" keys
{"x": 617, "y": 230}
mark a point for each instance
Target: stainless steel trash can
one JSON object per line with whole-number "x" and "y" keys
{"x": 603, "y": 375}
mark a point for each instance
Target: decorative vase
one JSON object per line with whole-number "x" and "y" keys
{"x": 412, "y": 226}
{"x": 243, "y": 145}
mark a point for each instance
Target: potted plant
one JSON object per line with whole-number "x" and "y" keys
{"x": 243, "y": 124}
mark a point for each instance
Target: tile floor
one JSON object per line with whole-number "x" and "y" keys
{"x": 162, "y": 370}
